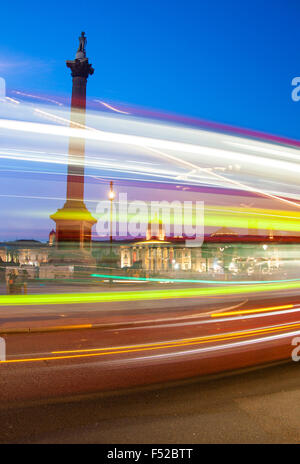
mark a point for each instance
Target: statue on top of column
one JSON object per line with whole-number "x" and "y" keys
{"x": 81, "y": 52}
{"x": 80, "y": 67}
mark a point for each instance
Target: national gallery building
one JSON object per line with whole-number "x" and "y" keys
{"x": 223, "y": 252}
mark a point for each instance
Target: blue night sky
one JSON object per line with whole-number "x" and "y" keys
{"x": 225, "y": 61}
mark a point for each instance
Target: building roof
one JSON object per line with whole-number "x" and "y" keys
{"x": 224, "y": 231}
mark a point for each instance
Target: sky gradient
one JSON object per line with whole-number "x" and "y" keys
{"x": 223, "y": 61}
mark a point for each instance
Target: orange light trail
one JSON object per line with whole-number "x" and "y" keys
{"x": 156, "y": 346}
{"x": 249, "y": 311}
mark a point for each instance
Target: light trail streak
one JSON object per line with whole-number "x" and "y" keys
{"x": 238, "y": 184}
{"x": 111, "y": 107}
{"x": 203, "y": 321}
{"x": 250, "y": 311}
{"x": 48, "y": 299}
{"x": 223, "y": 347}
{"x": 184, "y": 341}
{"x": 12, "y": 100}
{"x": 294, "y": 155}
{"x": 268, "y": 219}
{"x": 154, "y": 145}
{"x": 157, "y": 346}
{"x": 140, "y": 141}
{"x": 50, "y": 100}
{"x": 61, "y": 159}
{"x": 197, "y": 281}
{"x": 234, "y": 219}
{"x": 151, "y": 144}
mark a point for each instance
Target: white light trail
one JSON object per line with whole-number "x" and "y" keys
{"x": 111, "y": 107}
{"x": 191, "y": 156}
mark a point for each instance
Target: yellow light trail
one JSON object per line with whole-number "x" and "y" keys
{"x": 158, "y": 346}
{"x": 250, "y": 311}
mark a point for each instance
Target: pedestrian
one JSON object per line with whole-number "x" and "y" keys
{"x": 25, "y": 278}
{"x": 11, "y": 282}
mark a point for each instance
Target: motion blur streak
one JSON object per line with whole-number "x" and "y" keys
{"x": 249, "y": 311}
{"x": 111, "y": 107}
{"x": 215, "y": 282}
{"x": 50, "y": 299}
{"x": 102, "y": 309}
{"x": 182, "y": 343}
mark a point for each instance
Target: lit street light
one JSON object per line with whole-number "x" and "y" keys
{"x": 111, "y": 197}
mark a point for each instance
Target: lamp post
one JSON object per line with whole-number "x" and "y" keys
{"x": 111, "y": 197}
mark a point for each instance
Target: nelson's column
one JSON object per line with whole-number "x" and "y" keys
{"x": 74, "y": 222}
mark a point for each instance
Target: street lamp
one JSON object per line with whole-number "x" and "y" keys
{"x": 111, "y": 197}
{"x": 111, "y": 194}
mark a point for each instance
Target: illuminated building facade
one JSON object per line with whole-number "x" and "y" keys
{"x": 223, "y": 253}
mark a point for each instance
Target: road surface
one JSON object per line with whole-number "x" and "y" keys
{"x": 253, "y": 407}
{"x": 144, "y": 343}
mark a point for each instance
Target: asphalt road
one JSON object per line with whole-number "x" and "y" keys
{"x": 82, "y": 385}
{"x": 260, "y": 406}
{"x": 58, "y": 314}
{"x": 149, "y": 347}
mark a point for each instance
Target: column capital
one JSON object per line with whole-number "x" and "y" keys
{"x": 80, "y": 67}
